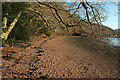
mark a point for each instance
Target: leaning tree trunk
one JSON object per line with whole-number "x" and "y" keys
{"x": 5, "y": 34}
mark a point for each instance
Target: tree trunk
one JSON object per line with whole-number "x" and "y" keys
{"x": 5, "y": 34}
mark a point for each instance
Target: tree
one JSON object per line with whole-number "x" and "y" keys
{"x": 11, "y": 13}
{"x": 82, "y": 10}
{"x": 92, "y": 12}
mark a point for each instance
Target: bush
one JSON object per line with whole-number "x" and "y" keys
{"x": 44, "y": 31}
{"x": 11, "y": 41}
{"x": 48, "y": 33}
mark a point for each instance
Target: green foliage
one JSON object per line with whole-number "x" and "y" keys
{"x": 21, "y": 29}
{"x": 11, "y": 41}
{"x": 44, "y": 31}
{"x": 11, "y": 9}
{"x": 48, "y": 33}
{"x": 5, "y": 29}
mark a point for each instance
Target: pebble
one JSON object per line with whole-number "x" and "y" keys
{"x": 51, "y": 64}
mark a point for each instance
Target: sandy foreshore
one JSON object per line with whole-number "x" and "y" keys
{"x": 56, "y": 58}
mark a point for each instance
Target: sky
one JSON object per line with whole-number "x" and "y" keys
{"x": 112, "y": 20}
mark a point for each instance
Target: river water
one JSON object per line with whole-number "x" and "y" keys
{"x": 113, "y": 41}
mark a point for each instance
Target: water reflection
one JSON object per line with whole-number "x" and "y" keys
{"x": 113, "y": 41}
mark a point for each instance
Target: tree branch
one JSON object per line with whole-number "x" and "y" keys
{"x": 40, "y": 15}
{"x": 56, "y": 11}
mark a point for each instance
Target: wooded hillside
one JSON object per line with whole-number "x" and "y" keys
{"x": 59, "y": 28}
{"x": 35, "y": 18}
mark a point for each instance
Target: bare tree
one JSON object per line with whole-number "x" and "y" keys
{"x": 92, "y": 12}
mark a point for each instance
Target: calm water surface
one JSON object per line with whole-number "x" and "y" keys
{"x": 113, "y": 41}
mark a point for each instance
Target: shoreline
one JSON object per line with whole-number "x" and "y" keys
{"x": 56, "y": 58}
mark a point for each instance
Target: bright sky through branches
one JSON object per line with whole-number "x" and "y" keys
{"x": 112, "y": 20}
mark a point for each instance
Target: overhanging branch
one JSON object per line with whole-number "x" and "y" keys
{"x": 57, "y": 13}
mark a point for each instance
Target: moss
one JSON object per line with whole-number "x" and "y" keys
{"x": 48, "y": 33}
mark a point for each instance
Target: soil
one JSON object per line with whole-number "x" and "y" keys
{"x": 54, "y": 57}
